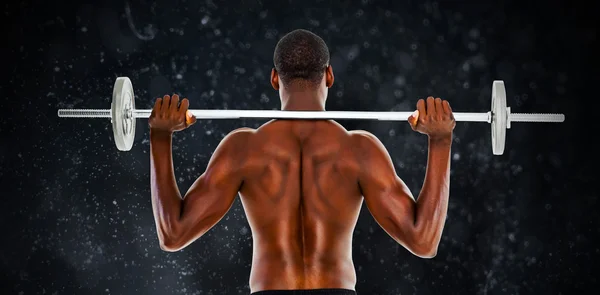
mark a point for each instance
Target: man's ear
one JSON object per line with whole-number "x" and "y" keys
{"x": 274, "y": 79}
{"x": 329, "y": 76}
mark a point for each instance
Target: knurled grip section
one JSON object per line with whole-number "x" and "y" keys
{"x": 532, "y": 118}
{"x": 84, "y": 113}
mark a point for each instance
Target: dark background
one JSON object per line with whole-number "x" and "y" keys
{"x": 76, "y": 214}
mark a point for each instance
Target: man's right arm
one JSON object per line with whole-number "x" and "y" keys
{"x": 417, "y": 225}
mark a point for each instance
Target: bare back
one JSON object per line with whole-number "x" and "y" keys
{"x": 302, "y": 184}
{"x": 301, "y": 197}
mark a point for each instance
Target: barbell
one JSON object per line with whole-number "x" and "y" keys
{"x": 123, "y": 114}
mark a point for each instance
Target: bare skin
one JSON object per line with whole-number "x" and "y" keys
{"x": 302, "y": 184}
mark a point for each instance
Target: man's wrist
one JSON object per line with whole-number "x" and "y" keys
{"x": 160, "y": 134}
{"x": 445, "y": 139}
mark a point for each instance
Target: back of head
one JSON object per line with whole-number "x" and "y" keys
{"x": 301, "y": 56}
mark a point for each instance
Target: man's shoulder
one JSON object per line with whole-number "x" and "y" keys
{"x": 363, "y": 138}
{"x": 243, "y": 131}
{"x": 234, "y": 145}
{"x": 238, "y": 136}
{"x": 366, "y": 144}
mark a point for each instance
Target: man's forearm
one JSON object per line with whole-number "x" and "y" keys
{"x": 166, "y": 198}
{"x": 432, "y": 203}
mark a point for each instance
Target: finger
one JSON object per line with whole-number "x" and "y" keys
{"x": 183, "y": 106}
{"x": 430, "y": 106}
{"x": 446, "y": 107}
{"x": 413, "y": 119}
{"x": 450, "y": 110}
{"x": 421, "y": 107}
{"x": 165, "y": 105}
{"x": 157, "y": 105}
{"x": 190, "y": 119}
{"x": 449, "y": 107}
{"x": 174, "y": 103}
{"x": 438, "y": 106}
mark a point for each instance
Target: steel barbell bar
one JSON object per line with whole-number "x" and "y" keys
{"x": 123, "y": 115}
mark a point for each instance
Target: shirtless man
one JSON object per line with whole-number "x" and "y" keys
{"x": 302, "y": 182}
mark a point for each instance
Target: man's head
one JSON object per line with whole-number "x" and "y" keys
{"x": 301, "y": 59}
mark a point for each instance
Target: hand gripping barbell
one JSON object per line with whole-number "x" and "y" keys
{"x": 123, "y": 115}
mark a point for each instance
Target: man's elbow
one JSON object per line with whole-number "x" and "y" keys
{"x": 170, "y": 244}
{"x": 169, "y": 248}
{"x": 425, "y": 245}
{"x": 426, "y": 251}
{"x": 427, "y": 254}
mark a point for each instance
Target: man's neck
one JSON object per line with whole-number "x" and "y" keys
{"x": 299, "y": 105}
{"x": 302, "y": 101}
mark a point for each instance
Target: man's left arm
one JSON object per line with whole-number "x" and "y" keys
{"x": 180, "y": 221}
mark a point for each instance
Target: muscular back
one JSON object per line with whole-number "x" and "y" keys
{"x": 302, "y": 184}
{"x": 301, "y": 196}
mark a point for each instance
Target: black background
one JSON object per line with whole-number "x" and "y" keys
{"x": 76, "y": 215}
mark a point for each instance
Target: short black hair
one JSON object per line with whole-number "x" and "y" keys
{"x": 301, "y": 54}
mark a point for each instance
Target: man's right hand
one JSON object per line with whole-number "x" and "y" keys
{"x": 433, "y": 118}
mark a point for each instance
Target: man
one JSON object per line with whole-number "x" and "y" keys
{"x": 302, "y": 182}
